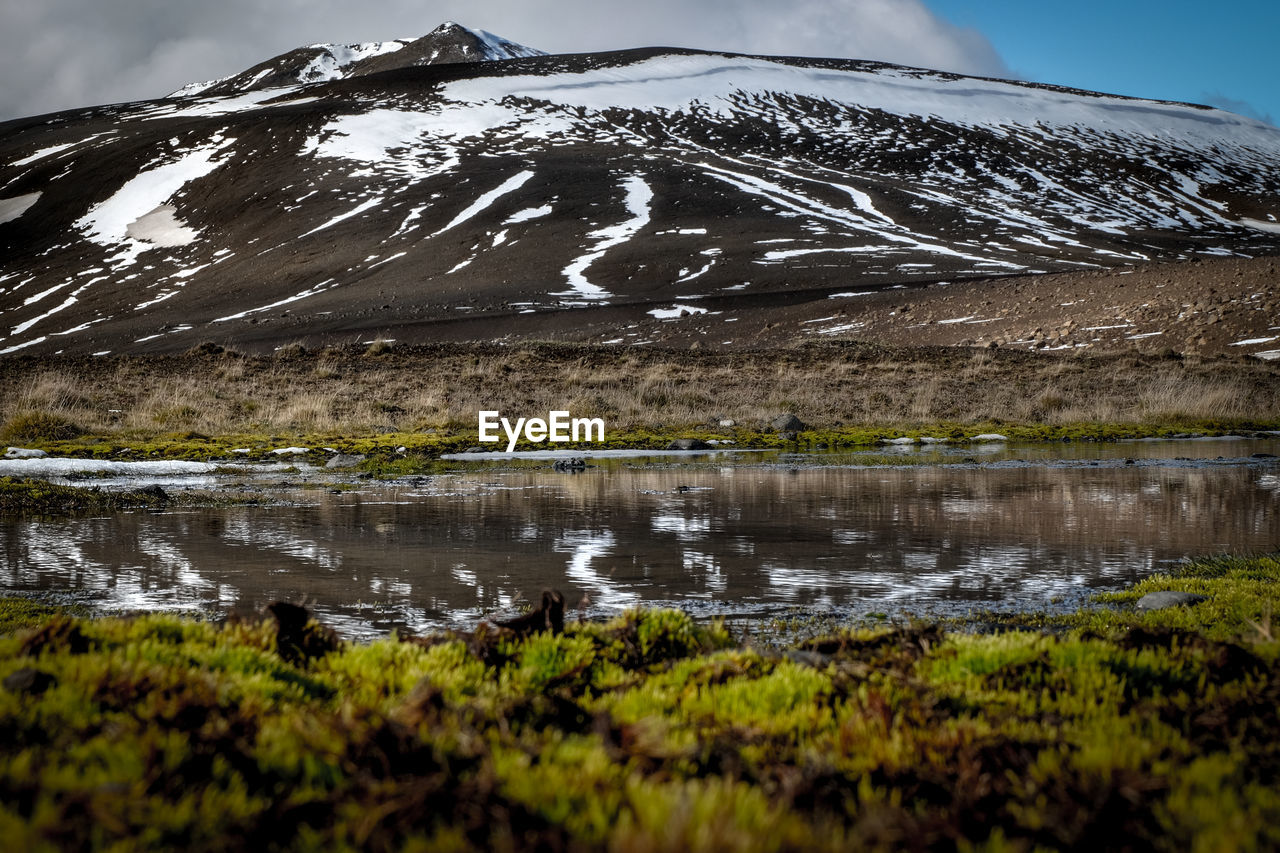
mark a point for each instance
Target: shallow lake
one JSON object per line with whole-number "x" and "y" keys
{"x": 743, "y": 534}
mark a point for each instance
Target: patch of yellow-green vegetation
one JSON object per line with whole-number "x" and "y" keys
{"x": 39, "y": 497}
{"x": 868, "y": 436}
{"x": 34, "y": 497}
{"x": 1242, "y": 598}
{"x": 1242, "y": 595}
{"x": 19, "y": 613}
{"x": 648, "y": 732}
{"x": 403, "y": 453}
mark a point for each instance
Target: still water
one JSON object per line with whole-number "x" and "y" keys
{"x": 739, "y": 534}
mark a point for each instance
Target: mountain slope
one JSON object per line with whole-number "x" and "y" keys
{"x": 614, "y": 187}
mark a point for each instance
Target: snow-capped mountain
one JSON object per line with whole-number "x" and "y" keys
{"x": 319, "y": 63}
{"x": 404, "y": 197}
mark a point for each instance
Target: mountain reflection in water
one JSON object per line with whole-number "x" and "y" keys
{"x": 453, "y": 547}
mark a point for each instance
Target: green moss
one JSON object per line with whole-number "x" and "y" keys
{"x": 651, "y": 731}
{"x": 39, "y": 497}
{"x": 31, "y": 497}
{"x": 20, "y": 613}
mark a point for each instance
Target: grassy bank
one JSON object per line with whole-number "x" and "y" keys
{"x": 412, "y": 390}
{"x": 399, "y": 453}
{"x": 651, "y": 732}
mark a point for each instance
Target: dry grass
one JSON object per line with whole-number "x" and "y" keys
{"x": 403, "y": 389}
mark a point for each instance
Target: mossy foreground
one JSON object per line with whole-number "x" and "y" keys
{"x": 649, "y": 733}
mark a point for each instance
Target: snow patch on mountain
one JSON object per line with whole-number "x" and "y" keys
{"x": 395, "y": 141}
{"x": 639, "y": 196}
{"x": 334, "y": 59}
{"x": 44, "y": 152}
{"x": 528, "y": 214}
{"x": 508, "y": 186}
{"x": 497, "y": 48}
{"x": 716, "y": 83}
{"x": 1260, "y": 225}
{"x": 12, "y": 208}
{"x": 108, "y": 223}
{"x": 214, "y": 105}
{"x": 161, "y": 227}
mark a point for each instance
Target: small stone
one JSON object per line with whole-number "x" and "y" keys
{"x": 345, "y": 460}
{"x": 788, "y": 423}
{"x": 155, "y": 492}
{"x": 805, "y": 657}
{"x": 28, "y": 680}
{"x": 1164, "y": 600}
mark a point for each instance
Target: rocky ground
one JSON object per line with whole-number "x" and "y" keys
{"x": 1207, "y": 307}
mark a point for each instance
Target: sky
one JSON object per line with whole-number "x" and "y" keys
{"x": 62, "y": 54}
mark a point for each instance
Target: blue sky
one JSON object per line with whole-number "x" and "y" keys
{"x": 1175, "y": 50}
{"x": 62, "y": 54}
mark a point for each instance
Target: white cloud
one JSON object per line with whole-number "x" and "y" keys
{"x": 1235, "y": 105}
{"x": 59, "y": 54}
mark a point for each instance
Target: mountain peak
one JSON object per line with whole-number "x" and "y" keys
{"x": 447, "y": 44}
{"x": 490, "y": 47}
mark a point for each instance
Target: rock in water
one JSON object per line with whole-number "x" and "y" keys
{"x": 298, "y": 638}
{"x": 155, "y": 492}
{"x": 688, "y": 444}
{"x": 1164, "y": 600}
{"x": 549, "y": 617}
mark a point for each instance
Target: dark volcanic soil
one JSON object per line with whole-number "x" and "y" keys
{"x": 1200, "y": 306}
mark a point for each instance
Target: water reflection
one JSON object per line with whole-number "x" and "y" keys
{"x": 450, "y": 548}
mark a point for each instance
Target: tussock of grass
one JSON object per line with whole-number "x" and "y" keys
{"x": 648, "y": 732}
{"x": 38, "y": 426}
